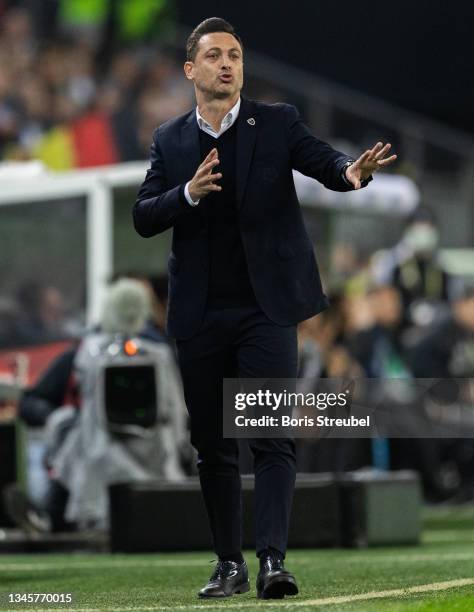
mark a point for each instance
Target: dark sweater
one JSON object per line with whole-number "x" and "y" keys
{"x": 229, "y": 283}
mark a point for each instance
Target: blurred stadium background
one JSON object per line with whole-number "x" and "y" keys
{"x": 83, "y": 84}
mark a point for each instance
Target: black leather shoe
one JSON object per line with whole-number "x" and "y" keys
{"x": 228, "y": 579}
{"x": 273, "y": 580}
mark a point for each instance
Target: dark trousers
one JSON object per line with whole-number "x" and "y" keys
{"x": 239, "y": 342}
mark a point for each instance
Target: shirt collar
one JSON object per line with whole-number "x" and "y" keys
{"x": 228, "y": 120}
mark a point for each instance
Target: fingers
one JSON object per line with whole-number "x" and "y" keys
{"x": 375, "y": 150}
{"x": 206, "y": 168}
{"x": 378, "y": 153}
{"x": 208, "y": 180}
{"x": 210, "y": 157}
{"x": 204, "y": 180}
{"x": 373, "y": 159}
{"x": 209, "y": 185}
{"x": 386, "y": 161}
{"x": 214, "y": 177}
{"x": 382, "y": 151}
{"x": 372, "y": 155}
{"x": 212, "y": 153}
{"x": 363, "y": 158}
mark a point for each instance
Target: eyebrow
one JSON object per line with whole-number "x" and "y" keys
{"x": 219, "y": 49}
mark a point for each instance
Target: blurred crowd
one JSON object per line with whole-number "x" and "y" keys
{"x": 396, "y": 315}
{"x": 85, "y": 83}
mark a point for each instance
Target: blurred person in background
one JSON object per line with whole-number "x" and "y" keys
{"x": 374, "y": 322}
{"x": 374, "y": 340}
{"x": 41, "y": 314}
{"x": 58, "y": 400}
{"x": 117, "y": 96}
{"x": 413, "y": 266}
{"x": 447, "y": 348}
{"x": 242, "y": 275}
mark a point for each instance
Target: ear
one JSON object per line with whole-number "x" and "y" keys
{"x": 188, "y": 70}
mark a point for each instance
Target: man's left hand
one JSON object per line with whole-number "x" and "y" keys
{"x": 368, "y": 163}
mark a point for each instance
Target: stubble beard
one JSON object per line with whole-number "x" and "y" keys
{"x": 216, "y": 92}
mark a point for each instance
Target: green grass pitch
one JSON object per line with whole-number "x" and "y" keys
{"x": 334, "y": 580}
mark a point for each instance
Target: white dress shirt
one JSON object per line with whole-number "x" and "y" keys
{"x": 226, "y": 123}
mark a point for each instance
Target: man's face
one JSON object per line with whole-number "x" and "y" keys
{"x": 217, "y": 70}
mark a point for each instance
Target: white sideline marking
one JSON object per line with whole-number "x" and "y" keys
{"x": 111, "y": 564}
{"x": 325, "y": 601}
{"x": 421, "y": 588}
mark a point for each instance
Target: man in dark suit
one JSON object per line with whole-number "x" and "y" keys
{"x": 242, "y": 274}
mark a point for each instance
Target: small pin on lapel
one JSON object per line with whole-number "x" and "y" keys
{"x": 251, "y": 121}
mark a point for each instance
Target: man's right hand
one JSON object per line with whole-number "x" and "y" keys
{"x": 202, "y": 182}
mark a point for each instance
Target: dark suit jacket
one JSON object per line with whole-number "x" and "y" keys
{"x": 280, "y": 257}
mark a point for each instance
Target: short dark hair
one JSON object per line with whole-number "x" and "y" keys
{"x": 213, "y": 24}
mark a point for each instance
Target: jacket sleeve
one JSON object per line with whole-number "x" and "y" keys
{"x": 157, "y": 208}
{"x": 315, "y": 158}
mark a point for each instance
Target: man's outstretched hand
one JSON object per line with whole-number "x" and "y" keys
{"x": 202, "y": 182}
{"x": 368, "y": 163}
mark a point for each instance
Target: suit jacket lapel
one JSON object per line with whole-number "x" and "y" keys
{"x": 191, "y": 153}
{"x": 247, "y": 126}
{"x": 190, "y": 149}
